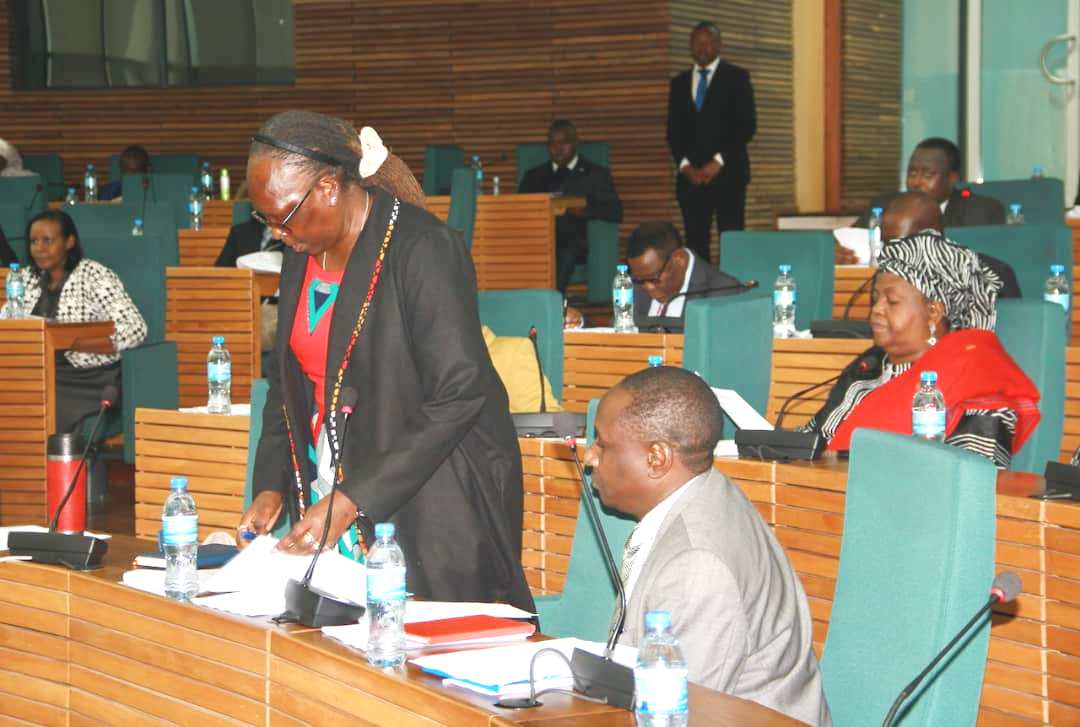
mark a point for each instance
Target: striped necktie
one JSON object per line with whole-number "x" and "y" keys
{"x": 630, "y": 551}
{"x": 702, "y": 87}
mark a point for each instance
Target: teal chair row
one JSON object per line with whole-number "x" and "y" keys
{"x": 51, "y": 169}
{"x": 916, "y": 561}
{"x": 728, "y": 342}
{"x": 13, "y": 219}
{"x": 1043, "y": 199}
{"x": 27, "y": 191}
{"x": 173, "y": 190}
{"x": 462, "y": 214}
{"x": 161, "y": 164}
{"x": 440, "y": 161}
{"x": 514, "y": 312}
{"x": 810, "y": 253}
{"x": 119, "y": 219}
{"x": 603, "y": 237}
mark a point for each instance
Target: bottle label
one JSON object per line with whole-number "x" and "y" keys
{"x": 928, "y": 423}
{"x": 660, "y": 691}
{"x": 219, "y": 373}
{"x": 623, "y": 297}
{"x": 783, "y": 297}
{"x": 180, "y": 529}
{"x": 1061, "y": 299}
{"x": 386, "y": 584}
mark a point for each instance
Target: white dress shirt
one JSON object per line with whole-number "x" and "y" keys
{"x": 675, "y": 307}
{"x": 695, "y": 78}
{"x": 943, "y": 205}
{"x": 569, "y": 165}
{"x": 645, "y": 532}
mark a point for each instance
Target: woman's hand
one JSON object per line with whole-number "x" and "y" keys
{"x": 305, "y": 535}
{"x": 260, "y": 516}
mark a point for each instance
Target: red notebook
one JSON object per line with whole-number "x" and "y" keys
{"x": 467, "y": 628}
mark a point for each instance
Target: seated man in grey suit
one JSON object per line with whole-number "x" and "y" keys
{"x": 934, "y": 168}
{"x": 700, "y": 550}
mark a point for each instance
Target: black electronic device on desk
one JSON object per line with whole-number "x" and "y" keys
{"x": 840, "y": 328}
{"x": 549, "y": 424}
{"x": 1062, "y": 482}
{"x": 779, "y": 444}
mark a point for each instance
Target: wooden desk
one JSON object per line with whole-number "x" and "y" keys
{"x": 200, "y": 248}
{"x": 594, "y": 362}
{"x": 27, "y": 413}
{"x": 513, "y": 239}
{"x": 79, "y": 648}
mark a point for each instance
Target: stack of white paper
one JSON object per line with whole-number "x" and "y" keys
{"x": 152, "y": 580}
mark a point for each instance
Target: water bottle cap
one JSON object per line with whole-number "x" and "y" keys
{"x": 138, "y": 221}
{"x": 178, "y": 483}
{"x": 194, "y": 189}
{"x": 785, "y": 269}
{"x": 877, "y": 210}
{"x": 1037, "y": 169}
{"x": 13, "y": 267}
{"x": 90, "y": 167}
{"x": 657, "y": 620}
{"x": 476, "y": 157}
{"x": 655, "y": 360}
{"x": 1057, "y": 269}
{"x": 206, "y": 165}
{"x": 928, "y": 377}
{"x": 72, "y": 189}
{"x": 621, "y": 268}
{"x": 1015, "y": 208}
{"x": 217, "y": 340}
{"x": 384, "y": 530}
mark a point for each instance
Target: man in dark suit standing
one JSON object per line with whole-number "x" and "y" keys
{"x": 570, "y": 175}
{"x": 711, "y": 120}
{"x": 934, "y": 168}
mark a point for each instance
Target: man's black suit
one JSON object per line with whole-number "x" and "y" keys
{"x": 243, "y": 239}
{"x": 588, "y": 180}
{"x": 725, "y": 125}
{"x": 703, "y": 278}
{"x": 965, "y": 209}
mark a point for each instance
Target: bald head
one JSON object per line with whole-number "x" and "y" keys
{"x": 909, "y": 213}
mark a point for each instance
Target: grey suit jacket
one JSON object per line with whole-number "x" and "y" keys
{"x": 737, "y": 608}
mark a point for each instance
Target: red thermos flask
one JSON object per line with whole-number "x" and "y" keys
{"x": 64, "y": 451}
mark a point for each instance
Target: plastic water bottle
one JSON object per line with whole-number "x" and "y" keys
{"x": 875, "y": 235}
{"x": 224, "y": 185}
{"x": 1015, "y": 215}
{"x": 783, "y": 298}
{"x": 180, "y": 541}
{"x": 15, "y": 289}
{"x": 219, "y": 377}
{"x": 90, "y": 184}
{"x": 1037, "y": 171}
{"x": 656, "y": 361}
{"x": 478, "y": 170}
{"x": 195, "y": 208}
{"x": 1057, "y": 291}
{"x": 386, "y": 599}
{"x": 495, "y": 185}
{"x": 928, "y": 409}
{"x": 622, "y": 296}
{"x": 72, "y": 197}
{"x": 137, "y": 229}
{"x": 660, "y": 692}
{"x": 207, "y": 180}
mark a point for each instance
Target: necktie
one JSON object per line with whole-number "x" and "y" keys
{"x": 702, "y": 87}
{"x": 630, "y": 550}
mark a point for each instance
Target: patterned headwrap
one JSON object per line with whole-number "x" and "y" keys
{"x": 944, "y": 271}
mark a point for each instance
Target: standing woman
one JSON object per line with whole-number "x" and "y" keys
{"x": 379, "y": 296}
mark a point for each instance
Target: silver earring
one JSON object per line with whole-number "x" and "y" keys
{"x": 333, "y": 200}
{"x": 933, "y": 339}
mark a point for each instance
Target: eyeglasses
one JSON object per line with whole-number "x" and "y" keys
{"x": 283, "y": 226}
{"x": 654, "y": 279}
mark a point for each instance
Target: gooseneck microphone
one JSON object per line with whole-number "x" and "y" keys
{"x": 1005, "y": 588}
{"x": 705, "y": 292}
{"x": 864, "y": 365}
{"x": 305, "y": 604}
{"x": 854, "y": 296}
{"x": 77, "y": 551}
{"x": 539, "y": 368}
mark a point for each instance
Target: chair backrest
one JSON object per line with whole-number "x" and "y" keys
{"x": 259, "y": 389}
{"x": 463, "y": 193}
{"x": 140, "y": 262}
{"x": 916, "y": 561}
{"x": 513, "y": 312}
{"x": 440, "y": 161}
{"x": 13, "y": 219}
{"x": 170, "y": 189}
{"x": 161, "y": 164}
{"x": 1033, "y": 332}
{"x": 1029, "y": 248}
{"x": 810, "y": 253}
{"x": 536, "y": 153}
{"x": 203, "y": 302}
{"x": 728, "y": 341}
{"x": 27, "y": 191}
{"x": 241, "y": 211}
{"x": 1043, "y": 200}
{"x": 117, "y": 220}
{"x": 200, "y": 248}
{"x": 51, "y": 169}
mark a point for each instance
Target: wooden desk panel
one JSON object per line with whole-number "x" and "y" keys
{"x": 798, "y": 363}
{"x": 513, "y": 239}
{"x": 218, "y": 213}
{"x": 848, "y": 288}
{"x": 552, "y": 495}
{"x": 200, "y": 248}
{"x": 594, "y": 362}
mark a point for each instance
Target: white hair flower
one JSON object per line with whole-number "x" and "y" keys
{"x": 373, "y": 153}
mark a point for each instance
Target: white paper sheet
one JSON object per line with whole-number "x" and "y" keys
{"x": 236, "y": 410}
{"x": 152, "y": 580}
{"x": 744, "y": 415}
{"x": 856, "y": 239}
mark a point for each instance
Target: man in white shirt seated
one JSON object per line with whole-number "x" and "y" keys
{"x": 700, "y": 550}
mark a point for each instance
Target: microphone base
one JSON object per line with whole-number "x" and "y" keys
{"x": 315, "y": 609}
{"x": 549, "y": 424}
{"x": 779, "y": 444}
{"x": 841, "y": 328}
{"x": 601, "y": 678}
{"x": 74, "y": 550}
{"x": 518, "y": 703}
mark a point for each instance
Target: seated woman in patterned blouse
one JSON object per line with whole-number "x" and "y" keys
{"x": 62, "y": 284}
{"x": 933, "y": 310}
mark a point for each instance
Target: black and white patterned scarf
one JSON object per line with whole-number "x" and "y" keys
{"x": 944, "y": 271}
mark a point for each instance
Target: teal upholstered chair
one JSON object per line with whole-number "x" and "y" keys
{"x": 97, "y": 220}
{"x": 916, "y": 561}
{"x": 728, "y": 341}
{"x": 462, "y": 214}
{"x": 161, "y": 164}
{"x": 27, "y": 191}
{"x": 1043, "y": 199}
{"x": 440, "y": 161}
{"x": 51, "y": 169}
{"x": 1033, "y": 332}
{"x": 241, "y": 211}
{"x": 259, "y": 388}
{"x": 170, "y": 189}
{"x": 756, "y": 256}
{"x": 13, "y": 219}
{"x": 585, "y": 606}
{"x": 513, "y": 312}
{"x": 603, "y": 236}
